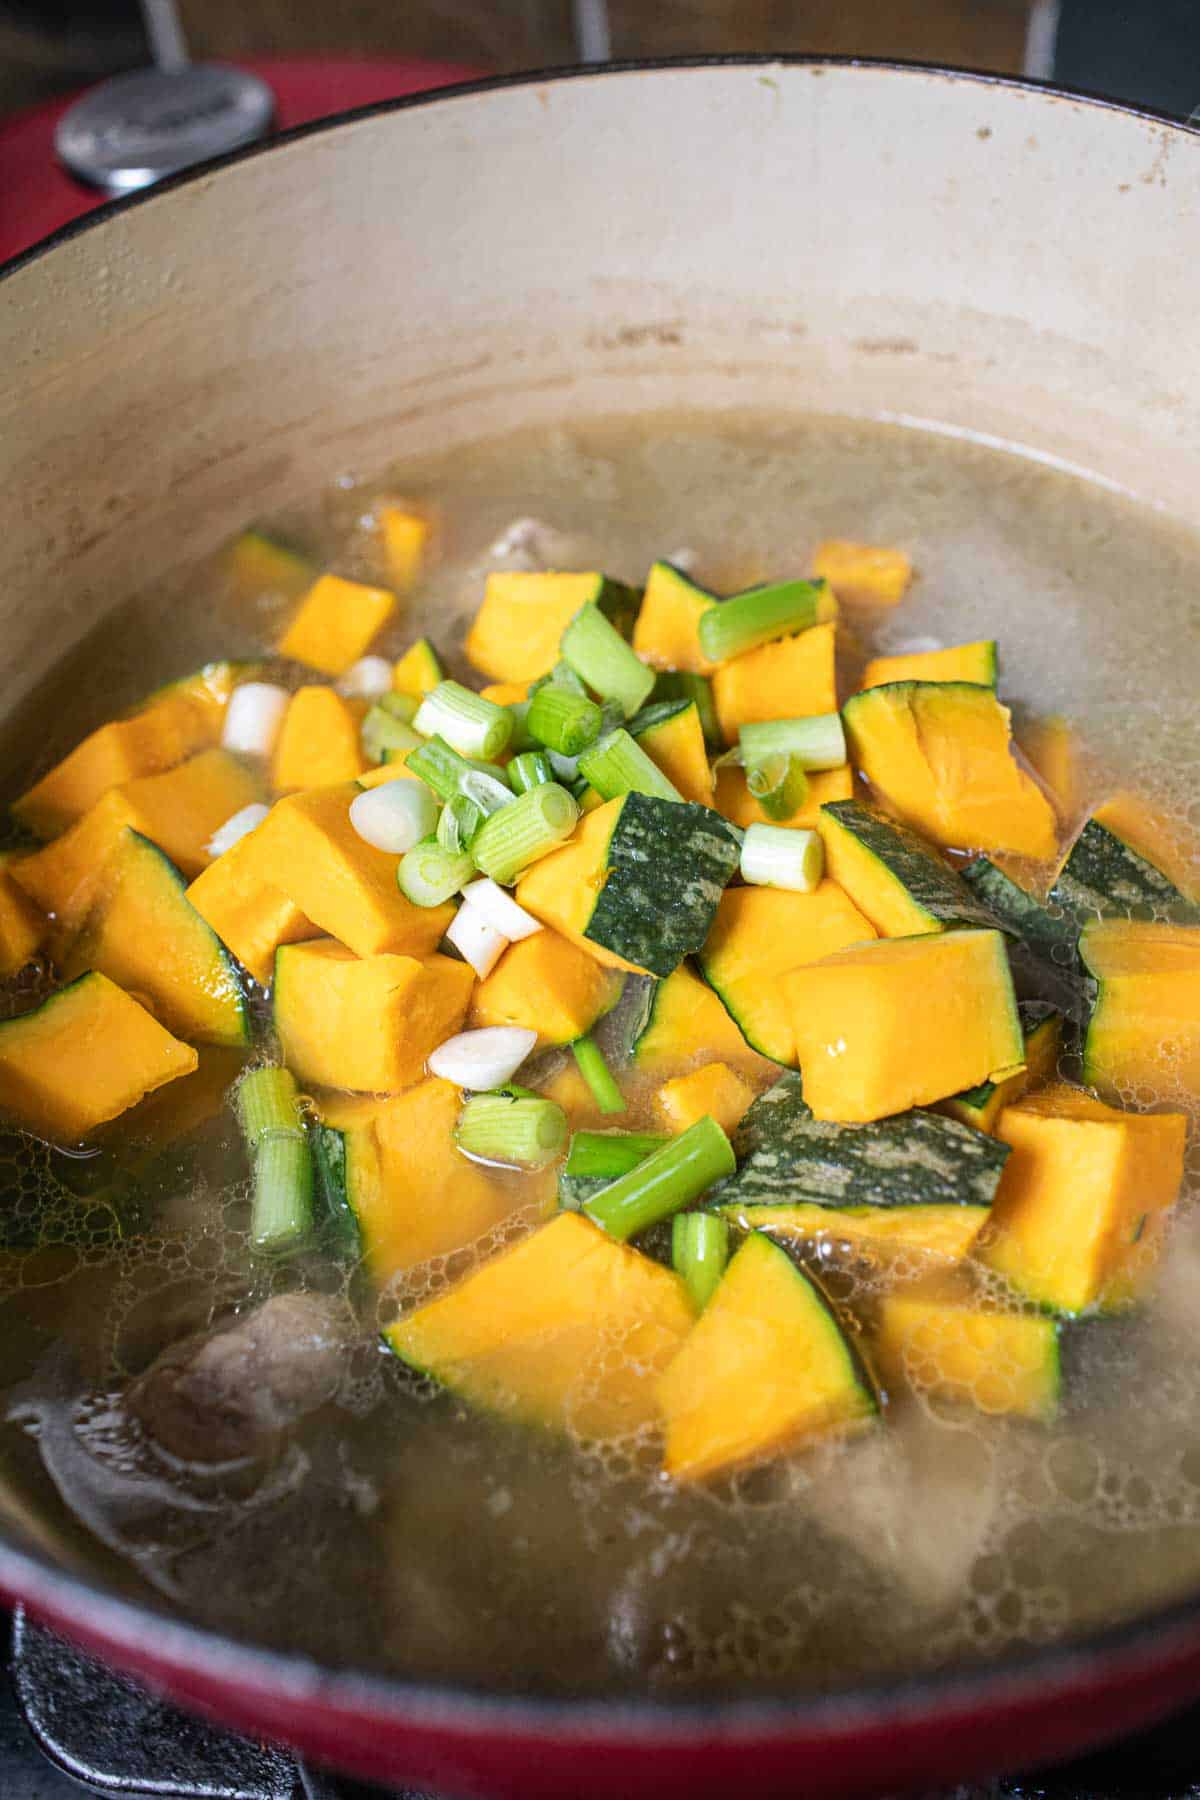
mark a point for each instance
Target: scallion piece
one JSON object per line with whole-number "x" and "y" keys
{"x": 524, "y": 1133}
{"x": 430, "y": 874}
{"x": 599, "y": 655}
{"x": 281, "y": 1206}
{"x": 438, "y": 766}
{"x": 773, "y": 856}
{"x": 563, "y": 721}
{"x": 746, "y": 620}
{"x": 610, "y": 1153}
{"x": 560, "y": 676}
{"x": 488, "y": 792}
{"x": 681, "y": 684}
{"x": 670, "y": 1178}
{"x": 527, "y": 828}
{"x": 619, "y": 765}
{"x": 459, "y": 824}
{"x": 384, "y": 731}
{"x": 816, "y": 743}
{"x": 598, "y": 1075}
{"x": 469, "y": 724}
{"x": 779, "y": 784}
{"x": 529, "y": 770}
{"x": 699, "y": 1252}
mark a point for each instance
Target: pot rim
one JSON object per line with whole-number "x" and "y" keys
{"x": 142, "y": 1632}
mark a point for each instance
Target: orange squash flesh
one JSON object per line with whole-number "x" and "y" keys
{"x": 687, "y": 1021}
{"x": 940, "y": 1339}
{"x": 765, "y": 1370}
{"x": 666, "y": 634}
{"x": 515, "y": 634}
{"x": 335, "y": 623}
{"x": 84, "y": 1055}
{"x": 879, "y": 1234}
{"x": 713, "y": 1090}
{"x": 22, "y": 928}
{"x": 1077, "y": 1194}
{"x": 318, "y": 742}
{"x": 365, "y": 1023}
{"x": 561, "y": 888}
{"x": 312, "y": 853}
{"x": 960, "y": 662}
{"x": 567, "y": 1330}
{"x": 863, "y": 574}
{"x": 677, "y": 747}
{"x": 1160, "y": 840}
{"x": 789, "y": 679}
{"x": 1144, "y": 1031}
{"x": 902, "y": 1022}
{"x": 549, "y": 985}
{"x": 734, "y": 799}
{"x": 405, "y": 544}
{"x": 251, "y": 917}
{"x": 939, "y": 755}
{"x": 1052, "y": 750}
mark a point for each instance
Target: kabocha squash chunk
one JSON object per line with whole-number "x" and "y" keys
{"x": 684, "y": 1019}
{"x": 901, "y": 1022}
{"x": 84, "y": 1055}
{"x": 548, "y": 985}
{"x": 759, "y": 934}
{"x": 1104, "y": 877}
{"x": 672, "y": 736}
{"x": 158, "y": 738}
{"x": 505, "y": 693}
{"x": 1159, "y": 839}
{"x": 365, "y": 1023}
{"x": 318, "y": 741}
{"x": 789, "y": 679}
{"x": 1082, "y": 1198}
{"x": 405, "y": 543}
{"x": 713, "y": 1089}
{"x": 942, "y": 1340}
{"x": 881, "y": 1235}
{"x": 22, "y": 928}
{"x": 863, "y": 574}
{"x": 665, "y": 634}
{"x": 1144, "y": 1031}
{"x": 178, "y": 810}
{"x": 418, "y": 671}
{"x": 259, "y": 565}
{"x": 249, "y": 914}
{"x": 766, "y": 1369}
{"x": 638, "y": 884}
{"x": 939, "y": 755}
{"x": 1051, "y": 748}
{"x": 339, "y": 881}
{"x": 896, "y": 879}
{"x": 980, "y": 1107}
{"x": 412, "y": 1194}
{"x": 567, "y": 1330}
{"x": 144, "y": 934}
{"x": 515, "y": 634}
{"x": 336, "y": 622}
{"x": 733, "y": 798}
{"x": 963, "y": 662}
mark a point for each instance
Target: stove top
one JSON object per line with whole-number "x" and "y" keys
{"x": 66, "y": 1720}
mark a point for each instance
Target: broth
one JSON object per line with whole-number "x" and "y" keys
{"x": 395, "y": 1530}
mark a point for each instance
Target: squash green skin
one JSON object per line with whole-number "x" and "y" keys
{"x": 917, "y": 1158}
{"x": 1049, "y": 937}
{"x": 980, "y": 1106}
{"x": 1104, "y": 877}
{"x": 669, "y": 862}
{"x": 919, "y": 874}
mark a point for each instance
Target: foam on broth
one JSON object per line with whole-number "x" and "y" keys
{"x": 398, "y": 1531}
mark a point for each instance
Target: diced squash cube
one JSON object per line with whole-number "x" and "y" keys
{"x": 84, "y": 1055}
{"x": 318, "y": 742}
{"x": 515, "y": 634}
{"x": 250, "y": 915}
{"x": 365, "y": 1023}
{"x": 761, "y": 933}
{"x": 766, "y": 1369}
{"x": 685, "y": 1019}
{"x": 789, "y": 679}
{"x": 210, "y": 686}
{"x": 164, "y": 734}
{"x": 942, "y": 1340}
{"x": 259, "y": 565}
{"x": 22, "y": 927}
{"x": 144, "y": 934}
{"x": 960, "y": 662}
{"x": 901, "y": 1022}
{"x": 505, "y": 693}
{"x": 1160, "y": 840}
{"x": 412, "y": 1192}
{"x": 1143, "y": 1035}
{"x": 336, "y": 623}
{"x": 666, "y": 632}
{"x": 903, "y": 885}
{"x": 339, "y": 881}
{"x": 1052, "y": 749}
{"x": 178, "y": 810}
{"x": 567, "y": 1088}
{"x": 981, "y": 1107}
{"x": 673, "y": 737}
{"x": 735, "y": 801}
{"x": 568, "y": 1330}
{"x": 405, "y": 543}
{"x": 1082, "y": 1197}
{"x": 939, "y": 755}
{"x": 418, "y": 671}
{"x": 863, "y": 574}
{"x": 549, "y": 985}
{"x": 712, "y": 1089}
{"x": 877, "y": 1234}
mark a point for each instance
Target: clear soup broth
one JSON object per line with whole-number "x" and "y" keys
{"x": 393, "y": 1528}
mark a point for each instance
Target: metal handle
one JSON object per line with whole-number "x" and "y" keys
{"x": 168, "y": 46}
